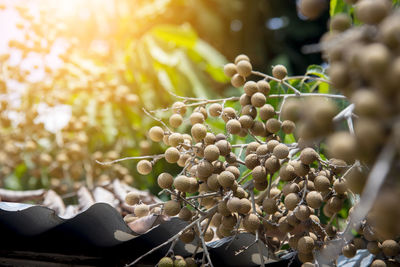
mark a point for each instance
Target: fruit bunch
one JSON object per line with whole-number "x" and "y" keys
{"x": 272, "y": 189}
{"x": 365, "y": 66}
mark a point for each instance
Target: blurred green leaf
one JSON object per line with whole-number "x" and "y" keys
{"x": 323, "y": 88}
{"x": 289, "y": 139}
{"x": 214, "y": 61}
{"x": 178, "y": 36}
{"x": 316, "y": 70}
{"x": 276, "y": 88}
{"x": 338, "y": 6}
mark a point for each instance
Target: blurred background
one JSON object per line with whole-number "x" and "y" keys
{"x": 75, "y": 76}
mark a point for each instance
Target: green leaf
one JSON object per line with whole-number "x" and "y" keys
{"x": 179, "y": 36}
{"x": 323, "y": 88}
{"x": 187, "y": 69}
{"x": 289, "y": 139}
{"x": 316, "y": 70}
{"x": 276, "y": 88}
{"x": 338, "y": 6}
{"x": 214, "y": 61}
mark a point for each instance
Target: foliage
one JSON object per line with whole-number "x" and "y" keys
{"x": 102, "y": 93}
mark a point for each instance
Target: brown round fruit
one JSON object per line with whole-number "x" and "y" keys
{"x": 132, "y": 198}
{"x": 390, "y": 248}
{"x": 279, "y": 72}
{"x": 305, "y": 244}
{"x": 281, "y": 151}
{"x": 291, "y": 201}
{"x": 244, "y": 68}
{"x": 141, "y": 210}
{"x": 233, "y": 126}
{"x": 199, "y": 131}
{"x": 179, "y": 108}
{"x": 312, "y": 9}
{"x": 172, "y": 155}
{"x": 175, "y": 120}
{"x": 240, "y": 58}
{"x": 314, "y": 199}
{"x": 172, "y": 207}
{"x": 144, "y": 167}
{"x": 237, "y": 80}
{"x": 273, "y": 125}
{"x": 215, "y": 110}
{"x": 226, "y": 179}
{"x": 211, "y": 153}
{"x": 267, "y": 112}
{"x": 258, "y": 99}
{"x": 156, "y": 133}
{"x": 288, "y": 126}
{"x": 230, "y": 70}
{"x": 308, "y": 156}
{"x": 165, "y": 180}
{"x": 250, "y": 88}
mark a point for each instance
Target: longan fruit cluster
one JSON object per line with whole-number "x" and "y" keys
{"x": 365, "y": 68}
{"x": 238, "y": 71}
{"x": 283, "y": 212}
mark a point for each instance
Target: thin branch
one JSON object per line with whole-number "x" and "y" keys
{"x": 344, "y": 113}
{"x": 157, "y": 119}
{"x": 306, "y": 77}
{"x": 184, "y": 200}
{"x": 159, "y": 156}
{"x": 236, "y": 232}
{"x": 210, "y": 211}
{"x": 205, "y": 250}
{"x": 374, "y": 182}
{"x": 297, "y": 92}
{"x": 204, "y": 196}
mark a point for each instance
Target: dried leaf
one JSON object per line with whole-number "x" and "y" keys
{"x": 103, "y": 195}
{"x": 142, "y": 225}
{"x": 18, "y": 196}
{"x": 85, "y": 198}
{"x": 70, "y": 212}
{"x": 119, "y": 191}
{"x": 53, "y": 201}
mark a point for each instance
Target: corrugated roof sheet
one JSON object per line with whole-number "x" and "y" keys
{"x": 36, "y": 236}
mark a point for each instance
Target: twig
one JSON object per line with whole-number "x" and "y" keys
{"x": 244, "y": 248}
{"x": 258, "y": 241}
{"x": 203, "y": 102}
{"x": 375, "y": 180}
{"x": 209, "y": 212}
{"x": 344, "y": 113}
{"x": 157, "y": 119}
{"x": 297, "y": 92}
{"x": 244, "y": 177}
{"x": 205, "y": 195}
{"x": 184, "y": 200}
{"x": 159, "y": 156}
{"x": 171, "y": 248}
{"x": 205, "y": 250}
{"x": 306, "y": 77}
{"x": 259, "y": 248}
{"x": 280, "y": 109}
{"x": 236, "y": 232}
